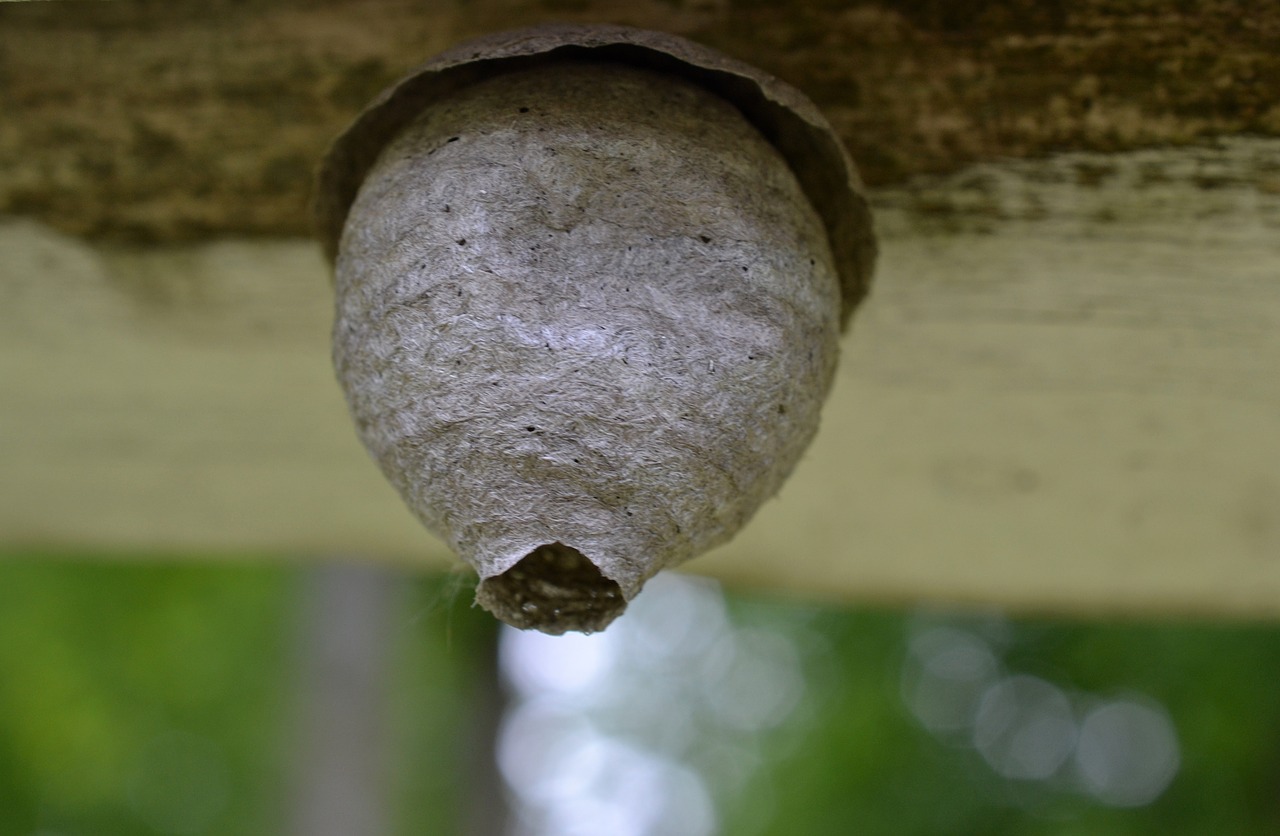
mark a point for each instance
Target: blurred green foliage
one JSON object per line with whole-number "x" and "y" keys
{"x": 866, "y": 765}
{"x": 103, "y": 666}
{"x": 97, "y": 663}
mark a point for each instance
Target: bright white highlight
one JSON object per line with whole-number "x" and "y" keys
{"x": 628, "y": 731}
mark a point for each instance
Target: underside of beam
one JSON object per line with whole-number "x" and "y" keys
{"x": 1061, "y": 396}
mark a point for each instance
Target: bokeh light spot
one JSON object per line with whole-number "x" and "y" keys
{"x": 947, "y": 672}
{"x": 1024, "y": 728}
{"x": 1128, "y": 753}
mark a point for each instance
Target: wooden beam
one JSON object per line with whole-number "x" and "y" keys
{"x": 143, "y": 121}
{"x": 1062, "y": 396}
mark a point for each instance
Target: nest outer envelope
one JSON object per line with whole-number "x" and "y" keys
{"x": 585, "y": 355}
{"x": 783, "y": 114}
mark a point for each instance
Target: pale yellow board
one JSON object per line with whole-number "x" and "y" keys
{"x": 1063, "y": 396}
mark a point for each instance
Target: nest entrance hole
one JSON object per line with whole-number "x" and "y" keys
{"x": 554, "y": 588}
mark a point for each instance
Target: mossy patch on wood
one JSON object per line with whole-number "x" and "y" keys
{"x": 150, "y": 122}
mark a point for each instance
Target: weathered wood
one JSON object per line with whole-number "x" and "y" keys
{"x": 153, "y": 121}
{"x": 1062, "y": 395}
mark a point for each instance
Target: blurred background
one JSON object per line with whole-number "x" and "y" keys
{"x": 216, "y": 699}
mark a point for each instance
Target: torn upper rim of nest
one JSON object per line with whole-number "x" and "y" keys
{"x": 783, "y": 115}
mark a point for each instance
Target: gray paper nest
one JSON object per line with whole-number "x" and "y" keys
{"x": 590, "y": 282}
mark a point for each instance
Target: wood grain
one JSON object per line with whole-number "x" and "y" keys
{"x": 160, "y": 122}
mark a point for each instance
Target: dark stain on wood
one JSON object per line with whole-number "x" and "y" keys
{"x": 149, "y": 121}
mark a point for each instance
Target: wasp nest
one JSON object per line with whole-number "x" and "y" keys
{"x": 590, "y": 282}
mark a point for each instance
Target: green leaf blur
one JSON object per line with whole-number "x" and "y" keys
{"x": 102, "y": 667}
